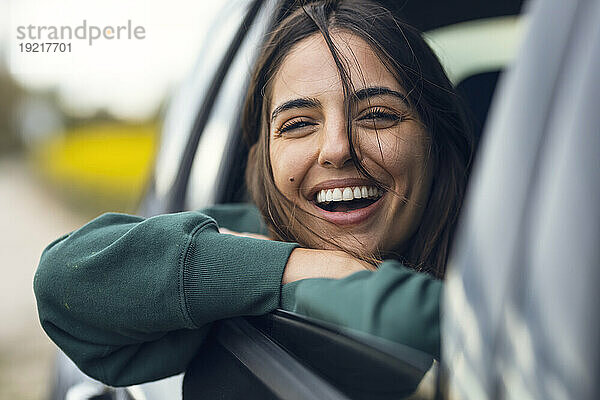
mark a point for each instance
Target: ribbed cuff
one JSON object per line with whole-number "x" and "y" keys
{"x": 226, "y": 276}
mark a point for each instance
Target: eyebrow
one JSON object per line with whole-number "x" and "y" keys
{"x": 305, "y": 102}
{"x": 368, "y": 92}
{"x": 362, "y": 94}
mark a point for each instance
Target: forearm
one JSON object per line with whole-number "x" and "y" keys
{"x": 312, "y": 263}
{"x": 123, "y": 290}
{"x": 394, "y": 302}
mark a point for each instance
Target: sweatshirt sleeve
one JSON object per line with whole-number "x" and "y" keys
{"x": 130, "y": 300}
{"x": 394, "y": 302}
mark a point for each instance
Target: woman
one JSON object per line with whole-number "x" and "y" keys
{"x": 359, "y": 159}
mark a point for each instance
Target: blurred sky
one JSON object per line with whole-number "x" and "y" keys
{"x": 129, "y": 78}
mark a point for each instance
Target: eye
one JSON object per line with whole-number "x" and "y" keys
{"x": 294, "y": 124}
{"x": 379, "y": 118}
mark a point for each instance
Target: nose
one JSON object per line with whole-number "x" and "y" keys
{"x": 334, "y": 150}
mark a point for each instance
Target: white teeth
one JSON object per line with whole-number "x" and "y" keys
{"x": 329, "y": 195}
{"x": 348, "y": 193}
{"x": 337, "y": 195}
{"x": 364, "y": 192}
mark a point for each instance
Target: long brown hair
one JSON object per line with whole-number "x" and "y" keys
{"x": 406, "y": 55}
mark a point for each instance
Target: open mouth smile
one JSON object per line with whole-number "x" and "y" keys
{"x": 346, "y": 199}
{"x": 348, "y": 205}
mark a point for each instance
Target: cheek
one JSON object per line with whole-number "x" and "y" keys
{"x": 414, "y": 167}
{"x": 290, "y": 166}
{"x": 401, "y": 154}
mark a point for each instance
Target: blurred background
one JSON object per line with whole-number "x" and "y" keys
{"x": 78, "y": 133}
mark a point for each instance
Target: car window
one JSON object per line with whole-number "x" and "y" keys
{"x": 474, "y": 55}
{"x": 219, "y": 127}
{"x": 520, "y": 307}
{"x": 472, "y": 47}
{"x": 182, "y": 111}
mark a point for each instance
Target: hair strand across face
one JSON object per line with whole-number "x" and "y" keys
{"x": 402, "y": 50}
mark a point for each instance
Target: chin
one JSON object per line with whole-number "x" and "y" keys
{"x": 360, "y": 244}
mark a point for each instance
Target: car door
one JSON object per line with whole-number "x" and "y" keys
{"x": 521, "y": 301}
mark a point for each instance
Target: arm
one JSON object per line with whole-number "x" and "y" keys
{"x": 394, "y": 302}
{"x": 131, "y": 299}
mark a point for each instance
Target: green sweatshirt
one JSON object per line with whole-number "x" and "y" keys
{"x": 130, "y": 300}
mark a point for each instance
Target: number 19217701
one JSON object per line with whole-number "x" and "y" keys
{"x": 47, "y": 47}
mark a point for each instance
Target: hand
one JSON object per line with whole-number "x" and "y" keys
{"x": 311, "y": 263}
{"x": 244, "y": 234}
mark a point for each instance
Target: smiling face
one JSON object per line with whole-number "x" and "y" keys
{"x": 310, "y": 152}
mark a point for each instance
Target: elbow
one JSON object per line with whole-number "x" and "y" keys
{"x": 50, "y": 285}
{"x": 49, "y": 273}
{"x": 410, "y": 316}
{"x": 89, "y": 357}
{"x": 109, "y": 364}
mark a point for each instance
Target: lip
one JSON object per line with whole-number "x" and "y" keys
{"x": 347, "y": 218}
{"x": 338, "y": 183}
